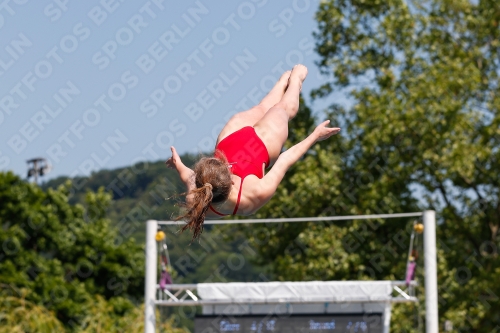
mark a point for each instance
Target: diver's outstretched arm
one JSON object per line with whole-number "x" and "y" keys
{"x": 185, "y": 173}
{"x": 273, "y": 178}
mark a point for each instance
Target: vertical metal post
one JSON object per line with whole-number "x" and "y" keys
{"x": 387, "y": 317}
{"x": 150, "y": 280}
{"x": 35, "y": 167}
{"x": 430, "y": 262}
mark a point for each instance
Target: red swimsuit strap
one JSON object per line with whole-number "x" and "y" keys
{"x": 216, "y": 212}
{"x": 239, "y": 197}
{"x": 235, "y": 207}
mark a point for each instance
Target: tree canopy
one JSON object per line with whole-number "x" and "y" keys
{"x": 421, "y": 131}
{"x": 20, "y": 315}
{"x": 61, "y": 256}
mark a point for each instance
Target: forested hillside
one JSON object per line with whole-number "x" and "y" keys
{"x": 74, "y": 250}
{"x": 64, "y": 267}
{"x": 150, "y": 191}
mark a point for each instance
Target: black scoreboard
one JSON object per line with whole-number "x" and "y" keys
{"x": 332, "y": 323}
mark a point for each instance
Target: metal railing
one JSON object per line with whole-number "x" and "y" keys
{"x": 186, "y": 295}
{"x": 178, "y": 295}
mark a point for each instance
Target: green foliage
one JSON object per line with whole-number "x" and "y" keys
{"x": 65, "y": 254}
{"x": 423, "y": 132}
{"x": 22, "y": 316}
{"x": 139, "y": 193}
{"x": 329, "y": 182}
{"x": 151, "y": 191}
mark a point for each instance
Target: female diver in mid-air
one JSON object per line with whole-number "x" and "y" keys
{"x": 250, "y": 141}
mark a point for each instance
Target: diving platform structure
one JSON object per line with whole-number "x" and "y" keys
{"x": 249, "y": 303}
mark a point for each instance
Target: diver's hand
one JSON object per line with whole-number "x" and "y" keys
{"x": 186, "y": 174}
{"x": 322, "y": 132}
{"x": 175, "y": 161}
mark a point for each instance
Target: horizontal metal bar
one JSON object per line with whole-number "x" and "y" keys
{"x": 301, "y": 219}
{"x": 403, "y": 283}
{"x": 179, "y": 286}
{"x": 286, "y": 301}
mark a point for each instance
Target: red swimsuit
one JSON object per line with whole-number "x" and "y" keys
{"x": 245, "y": 152}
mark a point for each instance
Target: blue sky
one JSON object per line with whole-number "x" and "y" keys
{"x": 103, "y": 84}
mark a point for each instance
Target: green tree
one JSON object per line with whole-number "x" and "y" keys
{"x": 64, "y": 254}
{"x": 329, "y": 180}
{"x": 19, "y": 315}
{"x": 421, "y": 131}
